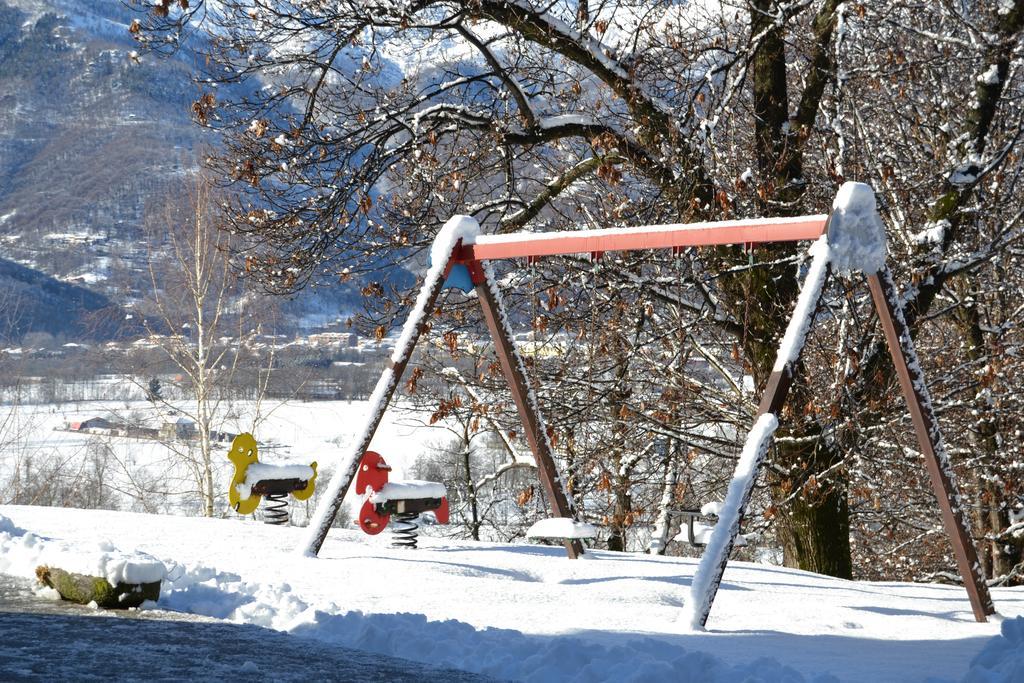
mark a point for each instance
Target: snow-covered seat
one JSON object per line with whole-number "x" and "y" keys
{"x": 253, "y": 480}
{"x": 403, "y": 499}
{"x": 408, "y": 496}
{"x": 560, "y": 529}
{"x": 698, "y": 533}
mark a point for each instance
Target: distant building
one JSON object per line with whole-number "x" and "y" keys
{"x": 98, "y": 425}
{"x": 320, "y": 391}
{"x": 333, "y": 339}
{"x": 143, "y": 432}
{"x": 223, "y": 437}
{"x": 93, "y": 423}
{"x": 182, "y": 429}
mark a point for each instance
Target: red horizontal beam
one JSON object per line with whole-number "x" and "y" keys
{"x": 533, "y": 245}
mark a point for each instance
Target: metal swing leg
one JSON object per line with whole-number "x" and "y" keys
{"x": 929, "y": 438}
{"x": 529, "y": 412}
{"x": 379, "y": 400}
{"x": 708, "y": 576}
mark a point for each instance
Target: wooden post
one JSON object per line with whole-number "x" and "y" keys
{"x": 529, "y": 411}
{"x": 929, "y": 438}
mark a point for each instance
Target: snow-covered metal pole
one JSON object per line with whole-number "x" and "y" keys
{"x": 857, "y": 238}
{"x": 929, "y": 438}
{"x": 709, "y": 572}
{"x": 855, "y": 242}
{"x": 458, "y": 228}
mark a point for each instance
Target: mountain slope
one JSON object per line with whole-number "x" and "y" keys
{"x": 34, "y": 302}
{"x": 93, "y": 143}
{"x": 88, "y": 139}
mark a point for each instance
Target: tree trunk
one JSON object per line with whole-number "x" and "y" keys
{"x": 474, "y": 515}
{"x": 813, "y": 516}
{"x": 621, "y": 514}
{"x": 813, "y": 526}
{"x": 991, "y": 510}
{"x": 86, "y": 589}
{"x": 620, "y": 479}
{"x": 661, "y": 535}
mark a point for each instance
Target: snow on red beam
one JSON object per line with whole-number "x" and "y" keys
{"x": 751, "y": 231}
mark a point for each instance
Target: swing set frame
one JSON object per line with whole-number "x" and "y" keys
{"x": 467, "y": 268}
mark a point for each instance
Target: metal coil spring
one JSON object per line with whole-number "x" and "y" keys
{"x": 403, "y": 530}
{"x": 275, "y": 511}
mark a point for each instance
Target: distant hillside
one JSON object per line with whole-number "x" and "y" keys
{"x": 92, "y": 141}
{"x": 31, "y": 301}
{"x": 88, "y": 139}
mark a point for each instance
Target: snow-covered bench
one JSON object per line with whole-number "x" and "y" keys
{"x": 698, "y": 533}
{"x": 560, "y": 529}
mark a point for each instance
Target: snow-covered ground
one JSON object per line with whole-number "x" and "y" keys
{"x": 526, "y": 612}
{"x": 100, "y": 646}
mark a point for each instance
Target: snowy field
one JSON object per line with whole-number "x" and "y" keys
{"x": 287, "y": 431}
{"x": 526, "y": 612}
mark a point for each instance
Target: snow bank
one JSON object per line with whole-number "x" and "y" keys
{"x": 1002, "y": 660}
{"x": 506, "y": 654}
{"x": 511, "y": 655}
{"x": 561, "y": 527}
{"x": 21, "y": 553}
{"x": 525, "y": 612}
{"x": 8, "y": 527}
{"x": 855, "y": 231}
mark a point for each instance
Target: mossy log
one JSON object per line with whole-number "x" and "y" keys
{"x": 86, "y": 589}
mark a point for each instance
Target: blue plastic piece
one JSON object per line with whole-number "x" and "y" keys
{"x": 459, "y": 278}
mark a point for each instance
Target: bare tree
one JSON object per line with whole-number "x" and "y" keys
{"x": 198, "y": 314}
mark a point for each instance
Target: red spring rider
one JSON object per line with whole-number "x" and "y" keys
{"x": 403, "y": 499}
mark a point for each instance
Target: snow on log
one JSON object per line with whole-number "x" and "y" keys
{"x": 561, "y": 527}
{"x": 104, "y": 561}
{"x": 856, "y": 234}
{"x": 101, "y": 573}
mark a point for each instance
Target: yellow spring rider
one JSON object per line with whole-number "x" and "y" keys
{"x": 253, "y": 479}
